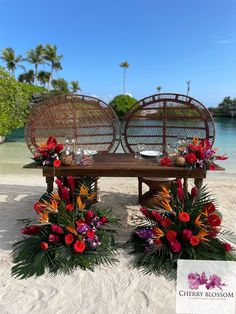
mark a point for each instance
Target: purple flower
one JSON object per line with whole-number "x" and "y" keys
{"x": 215, "y": 281}
{"x": 83, "y": 229}
{"x": 196, "y": 280}
{"x": 145, "y": 233}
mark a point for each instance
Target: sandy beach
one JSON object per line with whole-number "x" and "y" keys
{"x": 118, "y": 289}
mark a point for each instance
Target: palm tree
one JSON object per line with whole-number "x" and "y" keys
{"x": 12, "y": 61}
{"x": 60, "y": 85}
{"x": 36, "y": 57}
{"x": 188, "y": 87}
{"x": 158, "y": 88}
{"x": 52, "y": 57}
{"x": 74, "y": 86}
{"x": 57, "y": 67}
{"x": 43, "y": 77}
{"x": 27, "y": 77}
{"x": 125, "y": 66}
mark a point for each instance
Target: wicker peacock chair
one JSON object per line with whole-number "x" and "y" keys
{"x": 89, "y": 120}
{"x": 158, "y": 120}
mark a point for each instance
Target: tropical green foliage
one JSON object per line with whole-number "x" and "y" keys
{"x": 122, "y": 104}
{"x": 11, "y": 60}
{"x": 124, "y": 65}
{"x": 14, "y": 100}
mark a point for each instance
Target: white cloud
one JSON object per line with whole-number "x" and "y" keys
{"x": 224, "y": 41}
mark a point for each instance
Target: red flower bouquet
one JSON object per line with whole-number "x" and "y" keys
{"x": 70, "y": 233}
{"x": 49, "y": 154}
{"x": 200, "y": 154}
{"x": 183, "y": 225}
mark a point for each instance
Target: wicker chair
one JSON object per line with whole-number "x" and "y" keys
{"x": 87, "y": 119}
{"x": 158, "y": 120}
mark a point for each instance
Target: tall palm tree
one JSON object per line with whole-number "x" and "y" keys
{"x": 57, "y": 67}
{"x": 158, "y": 88}
{"x": 52, "y": 57}
{"x": 12, "y": 61}
{"x": 36, "y": 56}
{"x": 125, "y": 66}
{"x": 74, "y": 86}
{"x": 27, "y": 77}
{"x": 188, "y": 87}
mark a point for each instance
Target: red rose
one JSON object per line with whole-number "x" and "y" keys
{"x": 186, "y": 234}
{"x": 184, "y": 217}
{"x": 175, "y": 246}
{"x": 91, "y": 234}
{"x": 156, "y": 215}
{"x": 166, "y": 222}
{"x": 103, "y": 219}
{"x": 69, "y": 207}
{"x": 194, "y": 191}
{"x": 194, "y": 241}
{"x": 56, "y": 163}
{"x": 209, "y": 207}
{"x": 79, "y": 246}
{"x": 31, "y": 230}
{"x": 44, "y": 246}
{"x": 166, "y": 161}
{"x": 57, "y": 229}
{"x": 191, "y": 158}
{"x": 214, "y": 220}
{"x": 53, "y": 238}
{"x": 51, "y": 140}
{"x": 171, "y": 235}
{"x": 89, "y": 215}
{"x": 227, "y": 247}
{"x": 69, "y": 239}
{"x": 59, "y": 148}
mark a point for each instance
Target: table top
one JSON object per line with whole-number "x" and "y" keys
{"x": 122, "y": 165}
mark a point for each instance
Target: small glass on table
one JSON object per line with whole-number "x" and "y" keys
{"x": 138, "y": 149}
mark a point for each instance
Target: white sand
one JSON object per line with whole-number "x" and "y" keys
{"x": 117, "y": 289}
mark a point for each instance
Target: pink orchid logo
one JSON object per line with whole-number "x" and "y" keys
{"x": 195, "y": 280}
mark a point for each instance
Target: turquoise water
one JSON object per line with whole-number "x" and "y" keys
{"x": 14, "y": 153}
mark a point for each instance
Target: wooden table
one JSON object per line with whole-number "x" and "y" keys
{"x": 122, "y": 165}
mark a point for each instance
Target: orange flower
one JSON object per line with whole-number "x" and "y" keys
{"x": 195, "y": 140}
{"x": 202, "y": 234}
{"x": 198, "y": 222}
{"x": 166, "y": 205}
{"x": 158, "y": 233}
{"x": 51, "y": 207}
{"x": 80, "y": 204}
{"x": 164, "y": 193}
{"x": 92, "y": 196}
{"x": 84, "y": 190}
{"x": 71, "y": 230}
{"x": 43, "y": 217}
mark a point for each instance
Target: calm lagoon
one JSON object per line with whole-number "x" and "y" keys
{"x": 14, "y": 153}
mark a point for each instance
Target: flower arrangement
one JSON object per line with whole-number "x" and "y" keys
{"x": 184, "y": 225}
{"x": 201, "y": 154}
{"x": 49, "y": 154}
{"x": 71, "y": 232}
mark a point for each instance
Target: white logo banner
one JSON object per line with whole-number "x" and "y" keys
{"x": 205, "y": 287}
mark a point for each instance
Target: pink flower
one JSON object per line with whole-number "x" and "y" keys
{"x": 103, "y": 219}
{"x": 186, "y": 234}
{"x": 91, "y": 234}
{"x": 69, "y": 239}
{"x": 180, "y": 193}
{"x": 71, "y": 183}
{"x": 89, "y": 215}
{"x": 166, "y": 222}
{"x": 156, "y": 215}
{"x": 175, "y": 246}
{"x": 53, "y": 238}
{"x": 57, "y": 229}
{"x": 227, "y": 247}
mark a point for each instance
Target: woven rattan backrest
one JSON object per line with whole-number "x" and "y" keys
{"x": 87, "y": 119}
{"x": 159, "y": 120}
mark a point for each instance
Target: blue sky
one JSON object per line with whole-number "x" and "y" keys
{"x": 166, "y": 42}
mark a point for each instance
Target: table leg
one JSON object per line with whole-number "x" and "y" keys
{"x": 49, "y": 181}
{"x": 198, "y": 182}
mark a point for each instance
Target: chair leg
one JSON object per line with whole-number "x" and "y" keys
{"x": 140, "y": 190}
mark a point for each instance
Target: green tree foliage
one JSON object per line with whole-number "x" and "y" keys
{"x": 60, "y": 85}
{"x": 75, "y": 87}
{"x": 14, "y": 100}
{"x": 124, "y": 65}
{"x": 227, "y": 103}
{"x": 27, "y": 77}
{"x": 122, "y": 104}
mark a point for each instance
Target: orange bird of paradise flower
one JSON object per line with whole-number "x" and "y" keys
{"x": 166, "y": 205}
{"x": 72, "y": 230}
{"x": 202, "y": 234}
{"x": 195, "y": 140}
{"x": 158, "y": 233}
{"x": 198, "y": 221}
{"x": 80, "y": 204}
{"x": 51, "y": 207}
{"x": 165, "y": 192}
{"x": 84, "y": 190}
{"x": 43, "y": 217}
